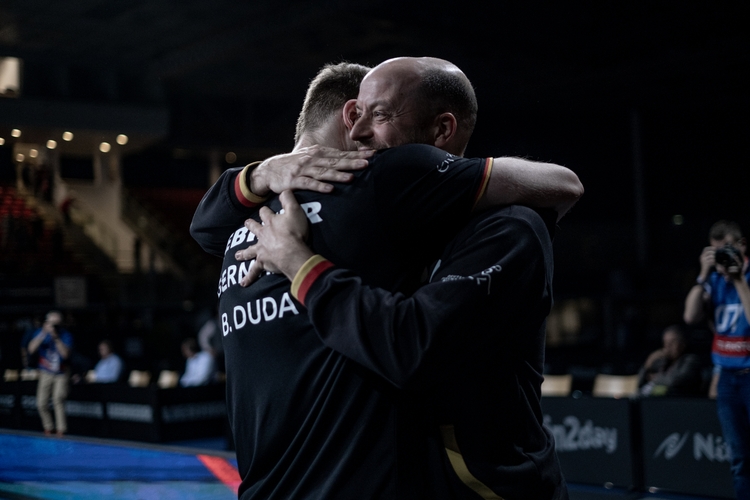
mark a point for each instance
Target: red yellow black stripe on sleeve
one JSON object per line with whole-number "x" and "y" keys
{"x": 242, "y": 191}
{"x": 485, "y": 179}
{"x": 306, "y": 276}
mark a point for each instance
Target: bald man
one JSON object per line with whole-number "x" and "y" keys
{"x": 467, "y": 348}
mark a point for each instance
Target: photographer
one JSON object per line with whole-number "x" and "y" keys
{"x": 54, "y": 345}
{"x": 726, "y": 295}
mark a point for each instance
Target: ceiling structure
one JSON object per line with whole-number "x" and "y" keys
{"x": 598, "y": 86}
{"x": 246, "y": 64}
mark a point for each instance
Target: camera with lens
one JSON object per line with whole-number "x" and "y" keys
{"x": 728, "y": 256}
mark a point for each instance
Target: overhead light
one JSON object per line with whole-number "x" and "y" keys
{"x": 67, "y": 136}
{"x": 2, "y": 141}
{"x": 15, "y": 132}
{"x": 105, "y": 147}
{"x": 20, "y": 157}
{"x": 122, "y": 139}
{"x": 230, "y": 157}
{"x": 33, "y": 153}
{"x": 51, "y": 144}
{"x": 677, "y": 220}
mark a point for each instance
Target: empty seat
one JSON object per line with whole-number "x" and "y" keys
{"x": 29, "y": 374}
{"x": 557, "y": 385}
{"x": 615, "y": 386}
{"x": 139, "y": 378}
{"x": 168, "y": 379}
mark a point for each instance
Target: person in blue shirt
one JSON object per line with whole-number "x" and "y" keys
{"x": 54, "y": 345}
{"x": 109, "y": 367}
{"x": 721, "y": 295}
{"x": 199, "y": 365}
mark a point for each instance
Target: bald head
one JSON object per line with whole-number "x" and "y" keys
{"x": 441, "y": 87}
{"x": 408, "y": 99}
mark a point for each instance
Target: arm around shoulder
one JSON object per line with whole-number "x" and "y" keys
{"x": 535, "y": 184}
{"x": 223, "y": 209}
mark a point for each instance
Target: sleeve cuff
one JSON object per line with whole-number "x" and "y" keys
{"x": 242, "y": 191}
{"x": 307, "y": 274}
{"x": 489, "y": 162}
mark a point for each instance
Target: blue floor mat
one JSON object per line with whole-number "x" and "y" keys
{"x": 34, "y": 467}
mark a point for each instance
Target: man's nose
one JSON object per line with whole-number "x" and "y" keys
{"x": 362, "y": 129}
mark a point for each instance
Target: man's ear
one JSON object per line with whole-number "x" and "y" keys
{"x": 446, "y": 126}
{"x": 350, "y": 113}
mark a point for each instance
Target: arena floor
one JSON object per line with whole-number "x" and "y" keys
{"x": 33, "y": 467}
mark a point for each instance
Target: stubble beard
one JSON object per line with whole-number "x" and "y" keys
{"x": 412, "y": 136}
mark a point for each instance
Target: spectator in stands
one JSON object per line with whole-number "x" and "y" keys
{"x": 54, "y": 345}
{"x": 109, "y": 367}
{"x": 45, "y": 182}
{"x": 671, "y": 370}
{"x": 66, "y": 205}
{"x": 209, "y": 339}
{"x": 199, "y": 365}
{"x": 28, "y": 177}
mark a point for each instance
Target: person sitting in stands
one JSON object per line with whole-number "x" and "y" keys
{"x": 199, "y": 365}
{"x": 109, "y": 367}
{"x": 671, "y": 371}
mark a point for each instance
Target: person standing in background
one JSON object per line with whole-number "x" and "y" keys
{"x": 54, "y": 345}
{"x": 721, "y": 294}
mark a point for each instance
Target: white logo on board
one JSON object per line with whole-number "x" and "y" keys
{"x": 708, "y": 446}
{"x": 572, "y": 436}
{"x": 672, "y": 445}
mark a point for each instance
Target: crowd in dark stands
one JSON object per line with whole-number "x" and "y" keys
{"x": 28, "y": 244}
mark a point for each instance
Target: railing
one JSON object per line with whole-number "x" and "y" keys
{"x": 97, "y": 231}
{"x": 178, "y": 251}
{"x": 154, "y": 233}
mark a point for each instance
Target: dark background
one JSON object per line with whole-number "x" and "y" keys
{"x": 646, "y": 101}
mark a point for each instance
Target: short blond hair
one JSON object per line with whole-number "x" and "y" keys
{"x": 328, "y": 92}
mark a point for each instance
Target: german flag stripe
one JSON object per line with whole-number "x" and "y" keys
{"x": 485, "y": 179}
{"x": 242, "y": 191}
{"x": 307, "y": 274}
